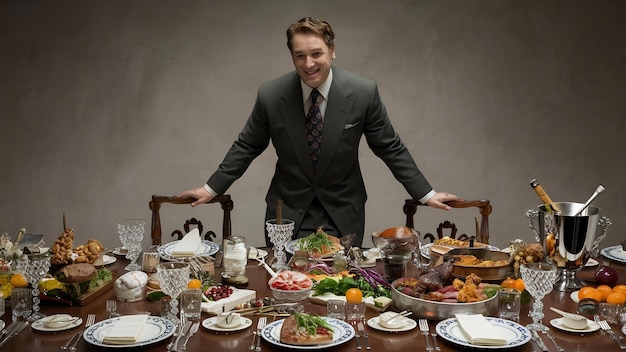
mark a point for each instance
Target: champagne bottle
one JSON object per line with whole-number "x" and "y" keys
{"x": 547, "y": 201}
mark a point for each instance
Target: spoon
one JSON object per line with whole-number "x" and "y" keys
{"x": 599, "y": 190}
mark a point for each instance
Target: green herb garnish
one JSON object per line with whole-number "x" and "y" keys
{"x": 315, "y": 241}
{"x": 310, "y": 322}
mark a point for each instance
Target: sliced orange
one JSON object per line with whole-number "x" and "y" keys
{"x": 354, "y": 295}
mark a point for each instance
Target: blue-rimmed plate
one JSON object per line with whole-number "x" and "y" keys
{"x": 344, "y": 332}
{"x": 514, "y": 333}
{"x": 206, "y": 248}
{"x": 155, "y": 329}
{"x": 616, "y": 253}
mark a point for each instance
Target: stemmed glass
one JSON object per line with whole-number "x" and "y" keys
{"x": 131, "y": 233}
{"x": 279, "y": 234}
{"x": 34, "y": 267}
{"x": 173, "y": 278}
{"x": 539, "y": 279}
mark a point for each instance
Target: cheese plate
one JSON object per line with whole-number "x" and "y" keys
{"x": 238, "y": 297}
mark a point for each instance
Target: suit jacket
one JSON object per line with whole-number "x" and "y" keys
{"x": 353, "y": 109}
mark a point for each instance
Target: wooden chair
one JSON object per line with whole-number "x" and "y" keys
{"x": 155, "y": 205}
{"x": 482, "y": 230}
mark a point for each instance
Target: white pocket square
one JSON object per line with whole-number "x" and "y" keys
{"x": 350, "y": 125}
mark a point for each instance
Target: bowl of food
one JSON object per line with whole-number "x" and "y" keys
{"x": 290, "y": 286}
{"x": 438, "y": 295}
{"x": 488, "y": 264}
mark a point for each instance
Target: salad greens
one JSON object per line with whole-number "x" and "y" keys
{"x": 340, "y": 287}
{"x": 310, "y": 323}
{"x": 316, "y": 241}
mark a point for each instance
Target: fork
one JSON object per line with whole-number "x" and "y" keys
{"x": 259, "y": 327}
{"x": 423, "y": 323}
{"x": 111, "y": 307}
{"x": 558, "y": 348}
{"x": 434, "y": 335}
{"x": 604, "y": 325}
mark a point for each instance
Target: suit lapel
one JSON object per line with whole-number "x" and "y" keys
{"x": 335, "y": 118}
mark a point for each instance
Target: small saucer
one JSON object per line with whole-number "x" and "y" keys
{"x": 120, "y": 251}
{"x": 40, "y": 325}
{"x": 211, "y": 324}
{"x": 375, "y": 324}
{"x": 591, "y": 326}
{"x": 591, "y": 262}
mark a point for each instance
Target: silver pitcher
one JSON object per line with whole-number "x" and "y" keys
{"x": 568, "y": 240}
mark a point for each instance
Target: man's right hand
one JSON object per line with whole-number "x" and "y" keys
{"x": 200, "y": 194}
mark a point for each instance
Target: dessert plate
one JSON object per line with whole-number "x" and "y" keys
{"x": 72, "y": 322}
{"x": 211, "y": 324}
{"x": 374, "y": 323}
{"x": 591, "y": 326}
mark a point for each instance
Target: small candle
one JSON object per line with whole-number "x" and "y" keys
{"x": 279, "y": 212}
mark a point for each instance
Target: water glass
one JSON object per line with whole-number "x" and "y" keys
{"x": 336, "y": 309}
{"x": 355, "y": 312}
{"x": 609, "y": 312}
{"x": 1, "y": 304}
{"x": 21, "y": 303}
{"x": 509, "y": 304}
{"x": 190, "y": 305}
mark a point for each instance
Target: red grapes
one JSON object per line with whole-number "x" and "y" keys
{"x": 218, "y": 292}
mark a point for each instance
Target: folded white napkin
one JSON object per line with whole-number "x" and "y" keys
{"x": 478, "y": 330}
{"x": 188, "y": 246}
{"x": 126, "y": 330}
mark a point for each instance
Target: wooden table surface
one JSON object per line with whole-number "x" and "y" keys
{"x": 31, "y": 340}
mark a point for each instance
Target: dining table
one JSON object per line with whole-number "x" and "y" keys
{"x": 204, "y": 339}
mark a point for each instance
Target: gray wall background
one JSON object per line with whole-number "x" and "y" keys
{"x": 104, "y": 103}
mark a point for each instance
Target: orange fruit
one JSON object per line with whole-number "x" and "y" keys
{"x": 592, "y": 293}
{"x": 354, "y": 295}
{"x": 508, "y": 283}
{"x": 616, "y": 298}
{"x": 605, "y": 290}
{"x": 194, "y": 283}
{"x": 519, "y": 285}
{"x": 585, "y": 289}
{"x": 18, "y": 280}
{"x": 620, "y": 288}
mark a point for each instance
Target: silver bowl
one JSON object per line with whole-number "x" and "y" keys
{"x": 291, "y": 295}
{"x": 422, "y": 308}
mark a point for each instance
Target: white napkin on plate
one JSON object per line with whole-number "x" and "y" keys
{"x": 478, "y": 330}
{"x": 126, "y": 330}
{"x": 188, "y": 246}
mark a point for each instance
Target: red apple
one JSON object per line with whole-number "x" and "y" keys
{"x": 607, "y": 276}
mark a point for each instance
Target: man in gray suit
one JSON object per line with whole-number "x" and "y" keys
{"x": 317, "y": 174}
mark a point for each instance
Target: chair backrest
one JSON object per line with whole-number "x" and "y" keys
{"x": 155, "y": 205}
{"x": 482, "y": 230}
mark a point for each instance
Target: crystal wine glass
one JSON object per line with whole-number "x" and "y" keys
{"x": 131, "y": 233}
{"x": 173, "y": 278}
{"x": 279, "y": 234}
{"x": 34, "y": 267}
{"x": 539, "y": 279}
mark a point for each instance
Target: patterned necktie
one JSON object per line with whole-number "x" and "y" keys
{"x": 314, "y": 127}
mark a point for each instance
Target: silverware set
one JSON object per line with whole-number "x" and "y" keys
{"x": 423, "y": 325}
{"x": 11, "y": 331}
{"x": 72, "y": 343}
{"x": 604, "y": 325}
{"x": 256, "y": 335}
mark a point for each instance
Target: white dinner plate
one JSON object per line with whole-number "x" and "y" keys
{"x": 514, "y": 333}
{"x": 155, "y": 329}
{"x": 40, "y": 325}
{"x": 256, "y": 253}
{"x": 375, "y": 324}
{"x": 206, "y": 248}
{"x": 591, "y": 326}
{"x": 616, "y": 253}
{"x": 425, "y": 249}
{"x": 210, "y": 324}
{"x": 343, "y": 332}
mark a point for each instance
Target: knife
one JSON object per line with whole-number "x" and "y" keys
{"x": 183, "y": 332}
{"x": 9, "y": 328}
{"x": 17, "y": 327}
{"x": 539, "y": 341}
